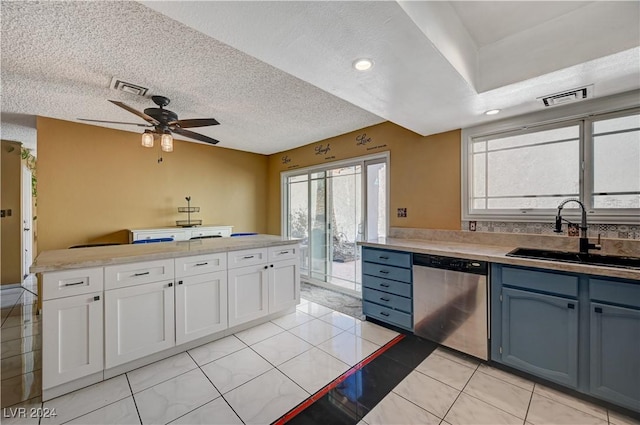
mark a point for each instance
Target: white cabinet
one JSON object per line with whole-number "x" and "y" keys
{"x": 201, "y": 296}
{"x": 248, "y": 293}
{"x": 284, "y": 284}
{"x": 271, "y": 285}
{"x": 72, "y": 338}
{"x": 179, "y": 233}
{"x": 139, "y": 321}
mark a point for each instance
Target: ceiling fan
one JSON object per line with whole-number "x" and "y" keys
{"x": 164, "y": 122}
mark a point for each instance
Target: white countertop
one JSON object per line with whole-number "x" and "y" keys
{"x": 494, "y": 254}
{"x": 63, "y": 259}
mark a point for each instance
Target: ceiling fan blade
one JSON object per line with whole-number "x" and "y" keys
{"x": 197, "y": 122}
{"x": 136, "y": 112}
{"x": 116, "y": 122}
{"x": 195, "y": 136}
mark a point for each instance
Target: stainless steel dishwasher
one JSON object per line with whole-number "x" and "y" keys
{"x": 450, "y": 303}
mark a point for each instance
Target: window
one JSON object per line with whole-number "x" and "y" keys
{"x": 529, "y": 171}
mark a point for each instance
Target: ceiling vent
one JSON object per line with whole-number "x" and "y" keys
{"x": 569, "y": 96}
{"x": 118, "y": 84}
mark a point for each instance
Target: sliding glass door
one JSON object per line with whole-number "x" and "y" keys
{"x": 331, "y": 208}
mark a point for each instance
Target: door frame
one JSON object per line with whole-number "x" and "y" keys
{"x": 363, "y": 161}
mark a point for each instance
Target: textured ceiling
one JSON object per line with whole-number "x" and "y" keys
{"x": 278, "y": 75}
{"x": 58, "y": 59}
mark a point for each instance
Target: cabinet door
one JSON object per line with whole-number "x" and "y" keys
{"x": 138, "y": 322}
{"x": 201, "y": 306}
{"x": 615, "y": 354}
{"x": 284, "y": 285}
{"x": 71, "y": 338}
{"x": 248, "y": 293}
{"x": 540, "y": 335}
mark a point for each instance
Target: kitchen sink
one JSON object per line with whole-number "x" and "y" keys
{"x": 577, "y": 257}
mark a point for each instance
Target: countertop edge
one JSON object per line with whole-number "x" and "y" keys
{"x": 114, "y": 255}
{"x": 497, "y": 254}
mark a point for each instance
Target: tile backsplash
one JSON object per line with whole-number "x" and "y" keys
{"x": 617, "y": 231}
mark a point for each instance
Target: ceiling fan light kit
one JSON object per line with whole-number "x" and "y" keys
{"x": 147, "y": 139}
{"x": 164, "y": 122}
{"x": 166, "y": 142}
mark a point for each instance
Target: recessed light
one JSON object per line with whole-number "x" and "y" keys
{"x": 492, "y": 112}
{"x": 363, "y": 64}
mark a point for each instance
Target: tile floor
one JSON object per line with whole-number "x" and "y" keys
{"x": 259, "y": 374}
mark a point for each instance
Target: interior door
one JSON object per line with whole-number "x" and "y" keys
{"x": 27, "y": 221}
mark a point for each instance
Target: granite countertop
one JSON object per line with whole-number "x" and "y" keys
{"x": 494, "y": 254}
{"x": 64, "y": 259}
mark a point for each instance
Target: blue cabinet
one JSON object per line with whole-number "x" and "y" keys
{"x": 540, "y": 335}
{"x": 387, "y": 286}
{"x": 578, "y": 330}
{"x": 614, "y": 342}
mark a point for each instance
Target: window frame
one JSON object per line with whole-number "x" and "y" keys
{"x": 582, "y": 115}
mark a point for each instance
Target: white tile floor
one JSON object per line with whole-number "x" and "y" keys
{"x": 257, "y": 375}
{"x": 447, "y": 388}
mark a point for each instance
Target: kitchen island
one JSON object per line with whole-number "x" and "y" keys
{"x": 107, "y": 310}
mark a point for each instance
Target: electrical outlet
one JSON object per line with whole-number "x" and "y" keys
{"x": 472, "y": 226}
{"x": 402, "y": 212}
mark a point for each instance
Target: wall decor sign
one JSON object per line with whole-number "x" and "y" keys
{"x": 377, "y": 147}
{"x": 363, "y": 139}
{"x": 323, "y": 150}
{"x": 286, "y": 159}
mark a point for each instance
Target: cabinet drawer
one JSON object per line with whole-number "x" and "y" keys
{"x": 72, "y": 282}
{"x": 176, "y": 235}
{"x": 247, "y": 257}
{"x": 200, "y": 264}
{"x": 613, "y": 291}
{"x": 225, "y": 232}
{"x": 387, "y": 272}
{"x": 391, "y": 286}
{"x": 387, "y": 315}
{"x": 132, "y": 274}
{"x": 387, "y": 300}
{"x": 552, "y": 283}
{"x": 287, "y": 252}
{"x": 392, "y": 258}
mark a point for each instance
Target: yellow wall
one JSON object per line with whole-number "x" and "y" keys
{"x": 94, "y": 182}
{"x": 11, "y": 249}
{"x": 424, "y": 172}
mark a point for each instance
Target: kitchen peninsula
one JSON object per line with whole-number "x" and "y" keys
{"x": 107, "y": 310}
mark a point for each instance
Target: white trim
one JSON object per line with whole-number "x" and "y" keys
{"x": 591, "y": 110}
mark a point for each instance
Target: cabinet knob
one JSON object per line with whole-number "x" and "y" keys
{"x": 271, "y": 265}
{"x": 170, "y": 284}
{"x": 384, "y": 313}
{"x": 179, "y": 282}
{"x": 598, "y": 310}
{"x": 266, "y": 267}
{"x": 571, "y": 306}
{"x": 96, "y": 298}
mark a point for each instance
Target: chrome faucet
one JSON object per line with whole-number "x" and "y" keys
{"x": 585, "y": 245}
